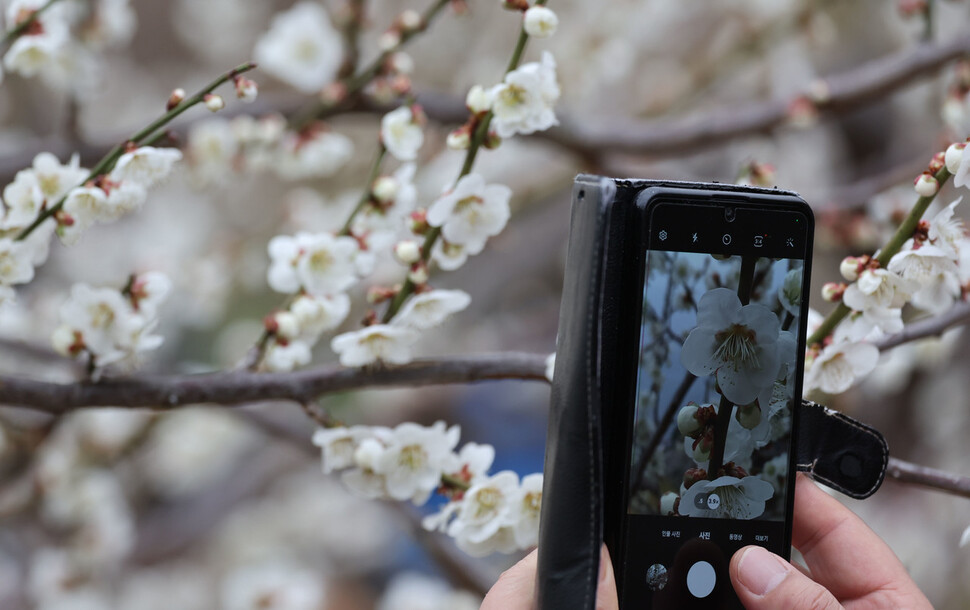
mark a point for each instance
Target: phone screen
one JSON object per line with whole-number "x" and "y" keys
{"x": 720, "y": 339}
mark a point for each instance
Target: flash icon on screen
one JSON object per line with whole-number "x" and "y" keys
{"x": 694, "y": 238}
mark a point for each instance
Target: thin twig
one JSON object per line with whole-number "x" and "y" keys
{"x": 240, "y": 387}
{"x": 146, "y": 134}
{"x": 354, "y": 85}
{"x": 895, "y": 243}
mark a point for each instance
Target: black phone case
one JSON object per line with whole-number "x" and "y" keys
{"x": 830, "y": 446}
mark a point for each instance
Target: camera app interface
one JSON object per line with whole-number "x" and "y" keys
{"x": 712, "y": 424}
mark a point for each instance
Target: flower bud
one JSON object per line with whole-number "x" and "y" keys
{"x": 379, "y": 294}
{"x": 702, "y": 450}
{"x": 477, "y": 100}
{"x": 367, "y": 453}
{"x": 849, "y": 268}
{"x": 833, "y": 291}
{"x": 515, "y": 5}
{"x": 668, "y": 503}
{"x": 749, "y": 416}
{"x": 492, "y": 140}
{"x": 66, "y": 341}
{"x": 389, "y": 41}
{"x": 540, "y": 22}
{"x": 418, "y": 221}
{"x": 287, "y": 325}
{"x": 410, "y": 20}
{"x": 214, "y": 102}
{"x": 246, "y": 90}
{"x": 176, "y": 98}
{"x": 936, "y": 163}
{"x": 407, "y": 251}
{"x": 418, "y": 273}
{"x": 385, "y": 189}
{"x": 687, "y": 421}
{"x": 459, "y": 139}
{"x": 693, "y": 475}
{"x": 954, "y": 156}
{"x": 400, "y": 63}
{"x": 926, "y": 185}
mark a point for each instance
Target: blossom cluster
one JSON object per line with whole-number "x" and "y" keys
{"x": 217, "y": 148}
{"x": 484, "y": 513}
{"x": 930, "y": 272}
{"x": 59, "y": 45}
{"x": 49, "y": 184}
{"x": 111, "y": 326}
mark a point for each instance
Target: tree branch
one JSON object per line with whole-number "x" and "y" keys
{"x": 240, "y": 387}
{"x": 929, "y": 327}
{"x": 906, "y": 472}
{"x": 872, "y": 81}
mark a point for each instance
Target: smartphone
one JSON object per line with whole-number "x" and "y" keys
{"x": 699, "y": 456}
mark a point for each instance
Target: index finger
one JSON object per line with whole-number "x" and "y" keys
{"x": 843, "y": 554}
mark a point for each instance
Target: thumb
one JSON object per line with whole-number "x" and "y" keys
{"x": 765, "y": 580}
{"x": 606, "y": 598}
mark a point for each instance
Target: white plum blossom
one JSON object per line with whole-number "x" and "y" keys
{"x": 790, "y": 294}
{"x": 340, "y": 443}
{"x": 272, "y": 584}
{"x": 838, "y": 365}
{"x": 380, "y": 224}
{"x": 738, "y": 344}
{"x": 282, "y": 357}
{"x": 471, "y": 212}
{"x": 106, "y": 325}
{"x": 962, "y": 175}
{"x": 935, "y": 273}
{"x": 317, "y": 314}
{"x": 145, "y": 165}
{"x": 946, "y": 231}
{"x": 315, "y": 155}
{"x": 390, "y": 344}
{"x": 429, "y": 309}
{"x": 739, "y": 498}
{"x": 524, "y": 102}
{"x": 301, "y": 48}
{"x": 401, "y": 133}
{"x": 35, "y": 54}
{"x": 321, "y": 263}
{"x": 23, "y": 200}
{"x": 16, "y": 261}
{"x": 414, "y": 458}
{"x": 878, "y": 288}
{"x": 487, "y": 514}
{"x": 540, "y": 22}
{"x": 526, "y": 511}
{"x": 211, "y": 147}
{"x": 870, "y": 324}
{"x": 113, "y": 24}
{"x": 447, "y": 255}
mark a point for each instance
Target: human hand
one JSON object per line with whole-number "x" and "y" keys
{"x": 515, "y": 589}
{"x": 849, "y": 564}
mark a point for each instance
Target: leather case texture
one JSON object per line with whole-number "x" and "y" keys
{"x": 833, "y": 448}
